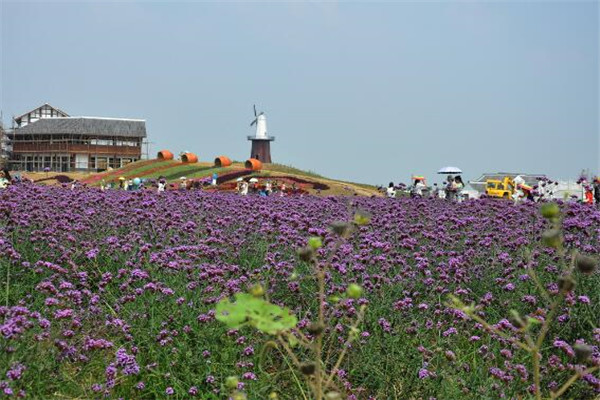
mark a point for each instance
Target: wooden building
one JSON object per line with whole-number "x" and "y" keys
{"x": 49, "y": 138}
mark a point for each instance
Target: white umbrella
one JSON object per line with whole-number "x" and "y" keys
{"x": 239, "y": 179}
{"x": 519, "y": 180}
{"x": 253, "y": 180}
{"x": 183, "y": 178}
{"x": 450, "y": 170}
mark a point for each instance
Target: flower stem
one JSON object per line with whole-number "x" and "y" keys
{"x": 361, "y": 314}
{"x": 572, "y": 380}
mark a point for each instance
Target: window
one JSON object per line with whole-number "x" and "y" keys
{"x": 101, "y": 142}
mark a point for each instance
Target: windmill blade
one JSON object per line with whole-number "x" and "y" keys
{"x": 255, "y": 110}
{"x": 254, "y": 122}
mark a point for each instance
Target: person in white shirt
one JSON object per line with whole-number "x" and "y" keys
{"x": 3, "y": 181}
{"x": 419, "y": 186}
{"x": 162, "y": 184}
{"x": 459, "y": 186}
{"x": 390, "y": 191}
{"x": 244, "y": 188}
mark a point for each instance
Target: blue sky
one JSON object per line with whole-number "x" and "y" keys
{"x": 369, "y": 92}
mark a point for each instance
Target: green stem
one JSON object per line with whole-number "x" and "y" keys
{"x": 543, "y": 291}
{"x": 538, "y": 346}
{"x": 288, "y": 351}
{"x": 273, "y": 344}
{"x": 572, "y": 380}
{"x": 546, "y": 324}
{"x": 319, "y": 342}
{"x": 345, "y": 349}
{"x": 7, "y": 282}
{"x": 536, "y": 374}
{"x": 499, "y": 333}
{"x": 295, "y": 378}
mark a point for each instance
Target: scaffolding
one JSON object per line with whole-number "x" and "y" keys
{"x": 72, "y": 152}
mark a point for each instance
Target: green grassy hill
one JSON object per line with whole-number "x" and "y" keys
{"x": 172, "y": 170}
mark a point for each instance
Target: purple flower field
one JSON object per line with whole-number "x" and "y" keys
{"x": 112, "y": 294}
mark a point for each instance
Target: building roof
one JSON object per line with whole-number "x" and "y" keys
{"x": 59, "y": 111}
{"x": 87, "y": 126}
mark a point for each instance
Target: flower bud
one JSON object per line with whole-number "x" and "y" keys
{"x": 341, "y": 228}
{"x": 292, "y": 341}
{"x": 316, "y": 329}
{"x": 566, "y": 284}
{"x": 585, "y": 264}
{"x": 306, "y": 253}
{"x": 273, "y": 396}
{"x": 550, "y": 210}
{"x": 315, "y": 242}
{"x": 333, "y": 396}
{"x": 308, "y": 368}
{"x": 552, "y": 238}
{"x": 362, "y": 218}
{"x": 582, "y": 352}
{"x": 257, "y": 290}
{"x": 231, "y": 382}
{"x": 450, "y": 356}
{"x": 334, "y": 299}
{"x": 354, "y": 291}
{"x": 239, "y": 396}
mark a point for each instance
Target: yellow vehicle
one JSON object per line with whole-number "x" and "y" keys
{"x": 500, "y": 188}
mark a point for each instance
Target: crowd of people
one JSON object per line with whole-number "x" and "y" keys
{"x": 243, "y": 187}
{"x": 268, "y": 188}
{"x": 454, "y": 190}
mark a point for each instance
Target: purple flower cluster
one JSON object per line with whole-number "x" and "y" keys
{"x": 114, "y": 278}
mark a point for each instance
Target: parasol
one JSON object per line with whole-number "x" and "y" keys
{"x": 450, "y": 170}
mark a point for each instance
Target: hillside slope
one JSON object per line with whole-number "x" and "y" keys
{"x": 172, "y": 170}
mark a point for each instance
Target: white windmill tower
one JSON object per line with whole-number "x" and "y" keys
{"x": 261, "y": 142}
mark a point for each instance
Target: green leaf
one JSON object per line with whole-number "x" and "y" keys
{"x": 249, "y": 310}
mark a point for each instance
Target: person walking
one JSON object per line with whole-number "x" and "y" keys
{"x": 162, "y": 184}
{"x": 459, "y": 185}
{"x": 244, "y": 188}
{"x": 4, "y": 182}
{"x": 418, "y": 188}
{"x": 390, "y": 192}
{"x": 182, "y": 183}
{"x": 450, "y": 189}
